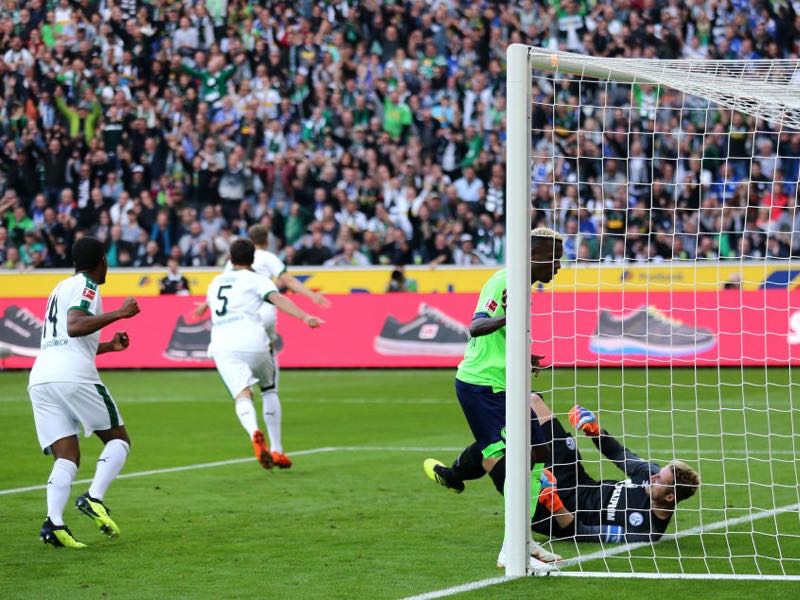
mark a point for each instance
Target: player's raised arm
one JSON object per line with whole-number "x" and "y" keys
{"x": 283, "y": 304}
{"x": 81, "y": 323}
{"x": 294, "y": 284}
{"x": 628, "y": 462}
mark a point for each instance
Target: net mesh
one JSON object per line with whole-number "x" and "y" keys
{"x": 675, "y": 186}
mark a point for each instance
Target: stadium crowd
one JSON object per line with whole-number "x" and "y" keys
{"x": 369, "y": 132}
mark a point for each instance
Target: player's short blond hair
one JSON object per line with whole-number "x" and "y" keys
{"x": 544, "y": 235}
{"x": 546, "y": 232}
{"x": 258, "y": 234}
{"x": 686, "y": 480}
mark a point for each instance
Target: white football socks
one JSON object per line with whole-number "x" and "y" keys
{"x": 58, "y": 487}
{"x": 272, "y": 418}
{"x": 110, "y": 463}
{"x": 247, "y": 414}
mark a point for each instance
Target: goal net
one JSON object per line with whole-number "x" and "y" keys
{"x": 676, "y": 317}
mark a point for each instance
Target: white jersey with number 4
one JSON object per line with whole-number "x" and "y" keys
{"x": 235, "y": 298}
{"x": 269, "y": 265}
{"x": 63, "y": 358}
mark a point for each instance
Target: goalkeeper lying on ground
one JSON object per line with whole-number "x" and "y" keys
{"x": 574, "y": 505}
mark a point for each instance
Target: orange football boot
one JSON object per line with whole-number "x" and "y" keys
{"x": 281, "y": 460}
{"x": 262, "y": 450}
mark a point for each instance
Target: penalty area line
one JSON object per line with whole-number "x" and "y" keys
{"x": 236, "y": 461}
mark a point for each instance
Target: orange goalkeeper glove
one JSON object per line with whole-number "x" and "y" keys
{"x": 548, "y": 495}
{"x": 584, "y": 420}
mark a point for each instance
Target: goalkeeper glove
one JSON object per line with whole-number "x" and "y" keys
{"x": 548, "y": 494}
{"x": 584, "y": 420}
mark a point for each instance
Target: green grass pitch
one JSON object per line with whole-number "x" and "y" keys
{"x": 356, "y": 517}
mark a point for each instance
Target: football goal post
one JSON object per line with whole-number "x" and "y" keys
{"x": 676, "y": 317}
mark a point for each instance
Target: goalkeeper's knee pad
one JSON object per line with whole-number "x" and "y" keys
{"x": 498, "y": 475}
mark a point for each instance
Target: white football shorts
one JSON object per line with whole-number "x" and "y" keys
{"x": 61, "y": 409}
{"x": 268, "y": 315}
{"x": 239, "y": 370}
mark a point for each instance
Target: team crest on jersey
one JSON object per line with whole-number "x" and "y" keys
{"x": 570, "y": 442}
{"x": 635, "y": 519}
{"x": 491, "y": 305}
{"x": 88, "y": 294}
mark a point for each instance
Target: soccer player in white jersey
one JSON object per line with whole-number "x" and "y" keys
{"x": 268, "y": 264}
{"x": 68, "y": 395}
{"x": 239, "y": 342}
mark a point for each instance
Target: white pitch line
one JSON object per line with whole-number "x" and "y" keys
{"x": 555, "y": 570}
{"x": 701, "y": 576}
{"x": 765, "y": 514}
{"x": 460, "y": 589}
{"x": 236, "y": 461}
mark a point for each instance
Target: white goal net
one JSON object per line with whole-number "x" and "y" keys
{"x": 676, "y": 317}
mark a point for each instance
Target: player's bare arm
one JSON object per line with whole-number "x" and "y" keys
{"x": 536, "y": 365}
{"x": 200, "y": 309}
{"x": 294, "y": 284}
{"x": 118, "y": 343}
{"x": 484, "y": 325}
{"x": 283, "y": 304}
{"x": 80, "y": 324}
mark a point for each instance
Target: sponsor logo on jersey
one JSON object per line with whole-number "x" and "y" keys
{"x": 54, "y": 343}
{"x": 88, "y": 294}
{"x": 611, "y": 508}
{"x": 491, "y": 305}
{"x": 635, "y": 519}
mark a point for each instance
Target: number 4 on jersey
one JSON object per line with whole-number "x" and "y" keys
{"x": 52, "y": 316}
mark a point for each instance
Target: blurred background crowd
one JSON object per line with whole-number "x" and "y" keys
{"x": 373, "y": 132}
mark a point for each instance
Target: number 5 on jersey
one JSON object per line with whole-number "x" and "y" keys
{"x": 220, "y": 312}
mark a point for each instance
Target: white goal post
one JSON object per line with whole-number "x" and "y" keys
{"x": 750, "y": 474}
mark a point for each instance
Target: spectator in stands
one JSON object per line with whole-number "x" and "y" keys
{"x": 174, "y": 282}
{"x": 316, "y": 253}
{"x": 349, "y": 257}
{"x": 398, "y": 282}
{"x": 380, "y": 118}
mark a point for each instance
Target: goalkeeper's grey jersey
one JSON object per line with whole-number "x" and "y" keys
{"x": 621, "y": 508}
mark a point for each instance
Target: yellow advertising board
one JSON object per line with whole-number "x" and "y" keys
{"x": 664, "y": 277}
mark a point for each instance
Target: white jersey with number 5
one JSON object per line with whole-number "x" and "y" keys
{"x": 269, "y": 265}
{"x": 63, "y": 358}
{"x": 235, "y": 298}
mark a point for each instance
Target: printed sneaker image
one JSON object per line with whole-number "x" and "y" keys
{"x": 431, "y": 333}
{"x": 648, "y": 331}
{"x": 189, "y": 341}
{"x": 20, "y": 332}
